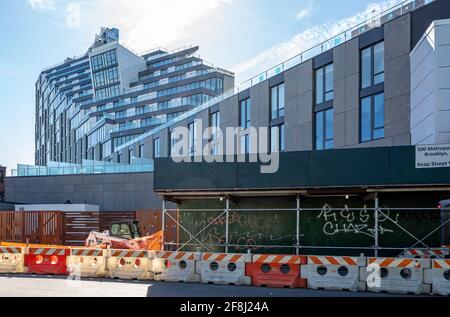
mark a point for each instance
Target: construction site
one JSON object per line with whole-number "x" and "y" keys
{"x": 341, "y": 216}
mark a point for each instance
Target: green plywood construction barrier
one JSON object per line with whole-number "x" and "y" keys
{"x": 334, "y": 222}
{"x": 368, "y": 167}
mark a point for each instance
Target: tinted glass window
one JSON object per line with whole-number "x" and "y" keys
{"x": 319, "y": 131}
{"x": 366, "y": 68}
{"x": 378, "y": 63}
{"x": 366, "y": 120}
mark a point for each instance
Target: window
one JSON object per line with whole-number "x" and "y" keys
{"x": 141, "y": 151}
{"x": 121, "y": 114}
{"x": 157, "y": 148}
{"x": 173, "y": 140}
{"x": 104, "y": 60}
{"x": 324, "y": 129}
{"x": 106, "y": 93}
{"x": 119, "y": 157}
{"x": 372, "y": 65}
{"x": 277, "y": 138}
{"x": 130, "y": 156}
{"x": 245, "y": 107}
{"x": 372, "y": 118}
{"x": 140, "y": 110}
{"x": 215, "y": 84}
{"x": 324, "y": 84}
{"x": 192, "y": 127}
{"x": 277, "y": 101}
{"x": 214, "y": 120}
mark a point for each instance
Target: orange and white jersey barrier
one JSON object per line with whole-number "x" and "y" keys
{"x": 439, "y": 277}
{"x": 268, "y": 270}
{"x": 10, "y": 250}
{"x": 127, "y": 264}
{"x": 278, "y": 259}
{"x": 12, "y": 260}
{"x": 176, "y": 266}
{"x": 87, "y": 262}
{"x": 426, "y": 254}
{"x": 332, "y": 260}
{"x": 177, "y": 256}
{"x": 47, "y": 260}
{"x": 225, "y": 269}
{"x": 396, "y": 275}
{"x": 441, "y": 264}
{"x": 47, "y": 251}
{"x": 129, "y": 254}
{"x": 223, "y": 257}
{"x": 398, "y": 263}
{"x": 334, "y": 273}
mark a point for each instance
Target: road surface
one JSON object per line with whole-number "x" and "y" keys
{"x": 49, "y": 286}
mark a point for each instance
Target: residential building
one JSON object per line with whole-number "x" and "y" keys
{"x": 88, "y": 106}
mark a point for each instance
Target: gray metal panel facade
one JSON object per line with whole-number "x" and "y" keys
{"x": 300, "y": 96}
{"x": 112, "y": 192}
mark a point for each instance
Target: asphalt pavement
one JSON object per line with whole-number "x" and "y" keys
{"x": 57, "y": 286}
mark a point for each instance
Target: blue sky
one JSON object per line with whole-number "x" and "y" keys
{"x": 246, "y": 36}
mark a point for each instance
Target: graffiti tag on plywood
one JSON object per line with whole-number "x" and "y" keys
{"x": 350, "y": 221}
{"x": 246, "y": 230}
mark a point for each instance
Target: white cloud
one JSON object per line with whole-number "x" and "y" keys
{"x": 305, "y": 12}
{"x": 146, "y": 24}
{"x": 305, "y": 40}
{"x": 42, "y": 4}
{"x": 73, "y": 19}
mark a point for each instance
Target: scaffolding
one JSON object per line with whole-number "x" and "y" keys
{"x": 378, "y": 213}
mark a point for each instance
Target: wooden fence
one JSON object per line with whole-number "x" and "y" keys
{"x": 72, "y": 228}
{"x": 150, "y": 222}
{"x": 44, "y": 227}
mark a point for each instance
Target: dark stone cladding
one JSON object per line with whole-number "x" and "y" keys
{"x": 323, "y": 59}
{"x": 422, "y": 18}
{"x": 372, "y": 37}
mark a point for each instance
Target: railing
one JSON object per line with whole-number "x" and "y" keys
{"x": 64, "y": 62}
{"x": 145, "y": 124}
{"x": 168, "y": 52}
{"x": 80, "y": 170}
{"x": 377, "y": 20}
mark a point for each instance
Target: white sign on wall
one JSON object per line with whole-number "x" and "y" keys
{"x": 432, "y": 156}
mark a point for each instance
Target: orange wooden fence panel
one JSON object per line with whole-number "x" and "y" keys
{"x": 150, "y": 223}
{"x": 72, "y": 228}
{"x": 44, "y": 227}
